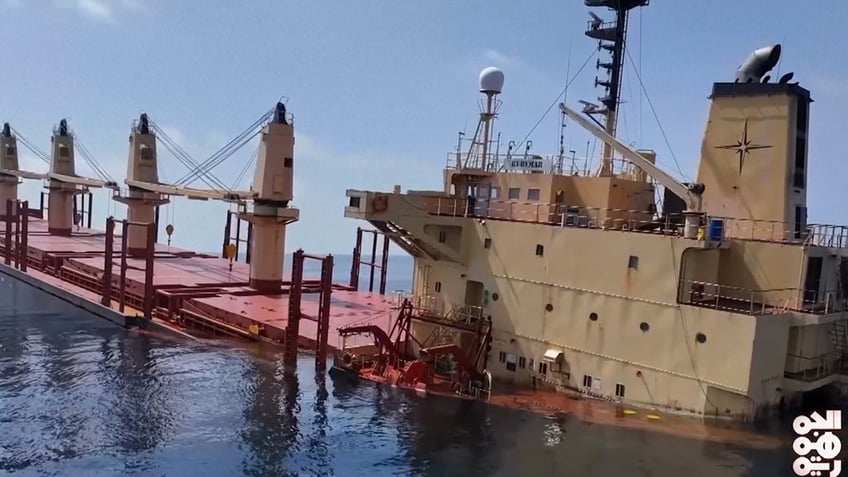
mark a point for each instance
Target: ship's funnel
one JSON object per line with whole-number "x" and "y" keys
{"x": 758, "y": 64}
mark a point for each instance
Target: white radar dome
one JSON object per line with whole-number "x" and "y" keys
{"x": 491, "y": 80}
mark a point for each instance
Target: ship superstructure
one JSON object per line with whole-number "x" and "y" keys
{"x": 722, "y": 301}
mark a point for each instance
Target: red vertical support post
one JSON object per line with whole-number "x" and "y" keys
{"x": 106, "y": 300}
{"x": 293, "y": 326}
{"x": 148, "y": 271}
{"x": 122, "y": 283}
{"x": 384, "y": 266}
{"x": 324, "y": 313}
{"x": 90, "y": 201}
{"x": 156, "y": 225}
{"x": 24, "y": 249}
{"x": 10, "y": 206}
{"x": 227, "y": 226}
{"x": 17, "y": 253}
{"x": 373, "y": 259}
{"x": 247, "y": 242}
{"x": 357, "y": 259}
{"x": 238, "y": 238}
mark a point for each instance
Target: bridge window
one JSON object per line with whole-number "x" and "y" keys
{"x": 511, "y": 360}
{"x": 619, "y": 390}
{"x": 146, "y": 153}
{"x": 438, "y": 287}
{"x": 633, "y": 262}
{"x": 288, "y": 162}
{"x": 587, "y": 381}
{"x": 495, "y": 192}
{"x": 442, "y": 236}
{"x": 540, "y": 249}
{"x": 487, "y": 243}
{"x": 543, "y": 368}
{"x": 514, "y": 193}
{"x": 502, "y": 357}
{"x": 522, "y": 362}
{"x": 533, "y": 194}
{"x": 10, "y": 150}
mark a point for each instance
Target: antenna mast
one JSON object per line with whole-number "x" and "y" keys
{"x": 611, "y": 37}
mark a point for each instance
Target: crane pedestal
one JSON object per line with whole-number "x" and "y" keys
{"x": 8, "y": 192}
{"x": 141, "y": 208}
{"x": 268, "y": 245}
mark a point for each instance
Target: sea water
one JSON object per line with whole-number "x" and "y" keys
{"x": 82, "y": 397}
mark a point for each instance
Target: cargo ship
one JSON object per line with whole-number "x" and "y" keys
{"x": 538, "y": 280}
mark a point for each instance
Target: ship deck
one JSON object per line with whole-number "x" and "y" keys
{"x": 197, "y": 287}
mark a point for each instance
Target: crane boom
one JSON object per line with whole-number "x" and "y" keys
{"x": 690, "y": 194}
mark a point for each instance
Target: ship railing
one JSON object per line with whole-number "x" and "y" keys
{"x": 422, "y": 303}
{"x": 759, "y": 302}
{"x": 465, "y": 314}
{"x": 808, "y": 369}
{"x": 534, "y": 164}
{"x": 565, "y": 215}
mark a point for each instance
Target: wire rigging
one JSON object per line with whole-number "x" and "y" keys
{"x": 556, "y": 101}
{"x": 246, "y": 167}
{"x": 32, "y": 147}
{"x": 656, "y": 117}
{"x": 210, "y": 180}
{"x": 91, "y": 161}
{"x": 228, "y": 150}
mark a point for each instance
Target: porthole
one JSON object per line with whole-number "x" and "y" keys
{"x": 593, "y": 316}
{"x": 495, "y": 297}
{"x": 549, "y": 307}
{"x": 701, "y": 338}
{"x": 644, "y": 326}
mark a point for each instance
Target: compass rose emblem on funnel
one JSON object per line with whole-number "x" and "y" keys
{"x": 743, "y": 147}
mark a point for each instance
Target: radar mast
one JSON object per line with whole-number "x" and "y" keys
{"x": 611, "y": 37}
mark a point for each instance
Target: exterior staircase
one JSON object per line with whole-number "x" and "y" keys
{"x": 407, "y": 241}
{"x": 838, "y": 334}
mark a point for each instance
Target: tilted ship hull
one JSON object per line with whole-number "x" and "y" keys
{"x": 723, "y": 301}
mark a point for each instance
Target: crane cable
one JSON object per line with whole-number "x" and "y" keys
{"x": 246, "y": 167}
{"x": 32, "y": 147}
{"x": 213, "y": 182}
{"x": 91, "y": 161}
{"x": 228, "y": 150}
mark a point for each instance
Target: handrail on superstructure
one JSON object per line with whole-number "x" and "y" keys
{"x": 690, "y": 194}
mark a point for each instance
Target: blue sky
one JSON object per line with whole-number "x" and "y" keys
{"x": 380, "y": 89}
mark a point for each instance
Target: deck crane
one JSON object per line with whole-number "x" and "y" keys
{"x": 61, "y": 180}
{"x": 691, "y": 193}
{"x": 270, "y": 194}
{"x": 199, "y": 171}
{"x": 59, "y": 169}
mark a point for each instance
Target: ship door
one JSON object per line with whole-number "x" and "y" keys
{"x": 813, "y": 280}
{"x": 483, "y": 196}
{"x": 473, "y": 293}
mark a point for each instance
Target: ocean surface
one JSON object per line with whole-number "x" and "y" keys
{"x": 82, "y": 397}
